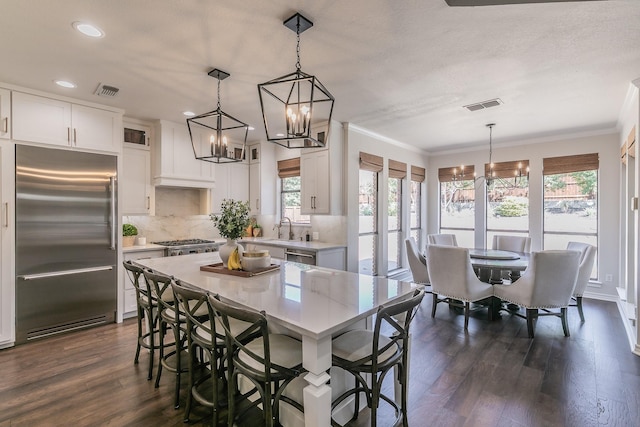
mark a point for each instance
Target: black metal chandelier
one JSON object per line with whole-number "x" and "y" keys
{"x": 216, "y": 136}
{"x": 296, "y": 108}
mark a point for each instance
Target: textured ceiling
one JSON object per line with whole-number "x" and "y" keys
{"x": 402, "y": 69}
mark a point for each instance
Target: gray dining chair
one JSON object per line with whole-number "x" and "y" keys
{"x": 587, "y": 258}
{"x": 547, "y": 284}
{"x": 442, "y": 239}
{"x": 417, "y": 263}
{"x": 453, "y": 278}
{"x": 512, "y": 243}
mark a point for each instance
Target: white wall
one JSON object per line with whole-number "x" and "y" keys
{"x": 606, "y": 145}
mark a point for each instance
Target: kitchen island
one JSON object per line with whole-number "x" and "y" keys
{"x": 310, "y": 302}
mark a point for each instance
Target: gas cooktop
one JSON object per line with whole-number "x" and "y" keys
{"x": 185, "y": 242}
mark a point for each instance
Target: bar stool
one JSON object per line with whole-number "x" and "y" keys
{"x": 170, "y": 317}
{"x": 269, "y": 361}
{"x": 146, "y": 306}
{"x": 362, "y": 351}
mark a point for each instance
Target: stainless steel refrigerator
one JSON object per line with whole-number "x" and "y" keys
{"x": 66, "y": 224}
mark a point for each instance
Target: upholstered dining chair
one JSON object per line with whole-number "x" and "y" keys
{"x": 452, "y": 277}
{"x": 442, "y": 239}
{"x": 587, "y": 258}
{"x": 146, "y": 312}
{"x": 512, "y": 243}
{"x": 546, "y": 284}
{"x": 417, "y": 263}
{"x": 270, "y": 361}
{"x": 374, "y": 353}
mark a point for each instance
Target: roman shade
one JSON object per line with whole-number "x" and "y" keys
{"x": 417, "y": 174}
{"x": 447, "y": 174}
{"x": 506, "y": 169}
{"x": 397, "y": 169}
{"x": 568, "y": 164}
{"x": 370, "y": 162}
{"x": 289, "y": 167}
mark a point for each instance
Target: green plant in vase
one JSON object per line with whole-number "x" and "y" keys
{"x": 129, "y": 233}
{"x": 231, "y": 224}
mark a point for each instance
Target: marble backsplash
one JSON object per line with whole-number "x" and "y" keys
{"x": 176, "y": 227}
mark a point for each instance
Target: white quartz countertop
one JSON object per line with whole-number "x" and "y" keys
{"x": 294, "y": 244}
{"x": 143, "y": 248}
{"x": 312, "y": 301}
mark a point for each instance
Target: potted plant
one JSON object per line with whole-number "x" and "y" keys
{"x": 129, "y": 233}
{"x": 231, "y": 224}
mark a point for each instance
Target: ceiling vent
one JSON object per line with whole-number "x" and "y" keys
{"x": 106, "y": 90}
{"x": 484, "y": 104}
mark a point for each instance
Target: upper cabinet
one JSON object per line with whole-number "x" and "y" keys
{"x": 5, "y": 113}
{"x": 232, "y": 182}
{"x": 51, "y": 121}
{"x": 174, "y": 162}
{"x": 262, "y": 179}
{"x": 321, "y": 176}
{"x": 136, "y": 181}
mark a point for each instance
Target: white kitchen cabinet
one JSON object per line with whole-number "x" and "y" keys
{"x": 232, "y": 182}
{"x": 262, "y": 180}
{"x": 7, "y": 239}
{"x": 314, "y": 183}
{"x": 174, "y": 162}
{"x": 321, "y": 183}
{"x": 136, "y": 181}
{"x": 130, "y": 304}
{"x": 52, "y": 121}
{"x": 5, "y": 113}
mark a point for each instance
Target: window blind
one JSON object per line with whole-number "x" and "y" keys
{"x": 397, "y": 169}
{"x": 370, "y": 162}
{"x": 568, "y": 164}
{"x": 417, "y": 174}
{"x": 289, "y": 167}
{"x": 507, "y": 169}
{"x": 447, "y": 174}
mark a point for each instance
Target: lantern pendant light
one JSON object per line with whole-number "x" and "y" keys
{"x": 296, "y": 108}
{"x": 216, "y": 136}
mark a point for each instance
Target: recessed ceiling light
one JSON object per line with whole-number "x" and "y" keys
{"x": 65, "y": 83}
{"x": 88, "y": 29}
{"x": 279, "y": 134}
{"x": 189, "y": 113}
{"x": 251, "y": 128}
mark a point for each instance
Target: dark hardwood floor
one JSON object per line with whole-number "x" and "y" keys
{"x": 491, "y": 376}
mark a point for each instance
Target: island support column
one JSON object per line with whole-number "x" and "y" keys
{"x": 316, "y": 358}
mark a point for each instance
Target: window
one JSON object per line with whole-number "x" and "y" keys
{"x": 370, "y": 166}
{"x": 397, "y": 172}
{"x": 571, "y": 202}
{"x": 289, "y": 173}
{"x": 415, "y": 204}
{"x": 290, "y": 199}
{"x": 507, "y": 199}
{"x": 457, "y": 204}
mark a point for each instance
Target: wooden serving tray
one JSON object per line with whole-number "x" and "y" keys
{"x": 218, "y": 268}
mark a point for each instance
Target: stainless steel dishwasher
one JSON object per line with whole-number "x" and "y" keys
{"x": 304, "y": 257}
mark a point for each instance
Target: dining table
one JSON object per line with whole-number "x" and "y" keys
{"x": 312, "y": 303}
{"x": 489, "y": 265}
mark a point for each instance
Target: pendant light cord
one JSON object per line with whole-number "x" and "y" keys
{"x": 298, "y": 45}
{"x": 218, "y": 94}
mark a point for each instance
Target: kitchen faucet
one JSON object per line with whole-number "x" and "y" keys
{"x": 278, "y": 227}
{"x": 290, "y": 232}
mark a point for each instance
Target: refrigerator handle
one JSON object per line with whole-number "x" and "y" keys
{"x": 6, "y": 214}
{"x": 64, "y": 273}
{"x": 112, "y": 183}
